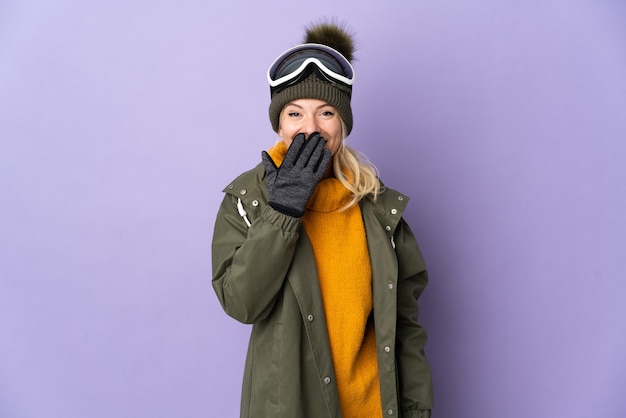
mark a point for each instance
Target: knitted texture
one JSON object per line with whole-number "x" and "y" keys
{"x": 313, "y": 88}
{"x": 345, "y": 277}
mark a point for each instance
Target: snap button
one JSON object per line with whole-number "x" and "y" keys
{"x": 310, "y": 318}
{"x": 400, "y": 198}
{"x": 230, "y": 186}
{"x": 255, "y": 203}
{"x": 327, "y": 380}
{"x": 243, "y": 191}
{"x": 390, "y": 412}
{"x": 387, "y": 349}
{"x": 390, "y": 286}
{"x": 388, "y": 228}
{"x": 393, "y": 211}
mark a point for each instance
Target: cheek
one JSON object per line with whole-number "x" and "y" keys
{"x": 287, "y": 140}
{"x": 334, "y": 137}
{"x": 333, "y": 146}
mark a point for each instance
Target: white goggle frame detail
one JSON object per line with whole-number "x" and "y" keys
{"x": 330, "y": 73}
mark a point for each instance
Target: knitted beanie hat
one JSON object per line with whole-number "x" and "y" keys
{"x": 317, "y": 69}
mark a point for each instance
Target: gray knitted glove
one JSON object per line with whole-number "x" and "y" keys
{"x": 291, "y": 186}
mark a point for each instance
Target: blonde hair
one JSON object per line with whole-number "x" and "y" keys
{"x": 355, "y": 172}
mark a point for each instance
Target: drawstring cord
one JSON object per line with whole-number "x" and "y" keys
{"x": 242, "y": 212}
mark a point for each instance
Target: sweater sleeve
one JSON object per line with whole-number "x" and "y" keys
{"x": 250, "y": 264}
{"x": 415, "y": 381}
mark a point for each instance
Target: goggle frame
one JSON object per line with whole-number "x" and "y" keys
{"x": 331, "y": 75}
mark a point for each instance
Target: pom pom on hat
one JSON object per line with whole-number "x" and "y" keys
{"x": 332, "y": 35}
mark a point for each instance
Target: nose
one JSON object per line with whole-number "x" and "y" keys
{"x": 309, "y": 125}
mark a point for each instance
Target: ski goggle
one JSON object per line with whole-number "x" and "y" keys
{"x": 297, "y": 63}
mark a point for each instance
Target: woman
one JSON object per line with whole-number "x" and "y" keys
{"x": 312, "y": 250}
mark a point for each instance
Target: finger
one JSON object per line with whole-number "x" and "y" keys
{"x": 314, "y": 135}
{"x": 270, "y": 165}
{"x": 309, "y": 148}
{"x": 295, "y": 149}
{"x": 323, "y": 162}
{"x": 317, "y": 153}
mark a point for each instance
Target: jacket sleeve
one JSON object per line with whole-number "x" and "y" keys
{"x": 415, "y": 380}
{"x": 250, "y": 264}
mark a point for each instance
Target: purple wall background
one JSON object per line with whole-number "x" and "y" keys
{"x": 120, "y": 123}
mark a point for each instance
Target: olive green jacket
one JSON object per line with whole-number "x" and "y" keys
{"x": 265, "y": 274}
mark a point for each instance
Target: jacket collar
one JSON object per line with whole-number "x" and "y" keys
{"x": 388, "y": 206}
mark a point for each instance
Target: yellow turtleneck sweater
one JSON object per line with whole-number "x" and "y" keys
{"x": 345, "y": 278}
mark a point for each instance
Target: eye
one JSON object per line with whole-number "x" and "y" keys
{"x": 327, "y": 113}
{"x": 293, "y": 114}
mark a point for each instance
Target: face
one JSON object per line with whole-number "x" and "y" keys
{"x": 307, "y": 116}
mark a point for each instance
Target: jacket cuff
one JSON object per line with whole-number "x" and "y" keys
{"x": 285, "y": 222}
